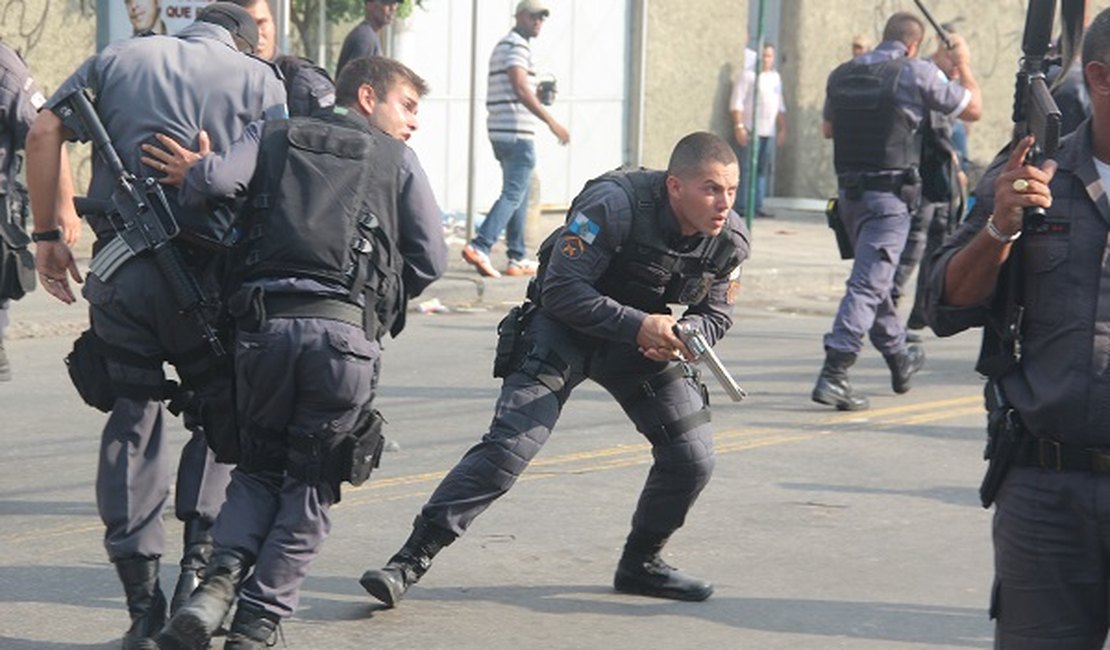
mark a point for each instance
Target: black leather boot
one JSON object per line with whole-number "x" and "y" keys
{"x": 252, "y": 628}
{"x": 191, "y": 628}
{"x": 389, "y": 583}
{"x": 197, "y": 550}
{"x": 145, "y": 602}
{"x": 903, "y": 365}
{"x": 642, "y": 572}
{"x": 833, "y": 387}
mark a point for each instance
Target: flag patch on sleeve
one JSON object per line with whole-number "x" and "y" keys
{"x": 583, "y": 227}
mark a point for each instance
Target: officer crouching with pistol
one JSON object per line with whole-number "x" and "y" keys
{"x": 633, "y": 243}
{"x": 335, "y": 229}
{"x": 874, "y": 107}
{"x": 1049, "y": 473}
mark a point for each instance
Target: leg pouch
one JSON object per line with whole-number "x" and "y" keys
{"x": 88, "y": 369}
{"x": 17, "y": 263}
{"x": 510, "y": 339}
{"x": 360, "y": 451}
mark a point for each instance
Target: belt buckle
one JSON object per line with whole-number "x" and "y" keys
{"x": 1100, "y": 461}
{"x": 1056, "y": 465}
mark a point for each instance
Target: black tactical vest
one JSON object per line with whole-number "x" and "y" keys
{"x": 323, "y": 206}
{"x": 870, "y": 132}
{"x": 648, "y": 273}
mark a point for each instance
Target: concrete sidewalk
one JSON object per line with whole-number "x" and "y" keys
{"x": 794, "y": 268}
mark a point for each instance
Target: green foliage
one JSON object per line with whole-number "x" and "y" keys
{"x": 346, "y": 10}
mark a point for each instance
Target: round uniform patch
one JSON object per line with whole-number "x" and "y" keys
{"x": 572, "y": 246}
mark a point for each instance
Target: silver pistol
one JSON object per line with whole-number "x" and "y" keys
{"x": 703, "y": 353}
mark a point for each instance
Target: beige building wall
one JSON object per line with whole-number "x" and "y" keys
{"x": 694, "y": 47}
{"x": 691, "y": 49}
{"x": 815, "y": 38}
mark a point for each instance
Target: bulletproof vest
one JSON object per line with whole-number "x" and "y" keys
{"x": 648, "y": 272}
{"x": 323, "y": 207}
{"x": 870, "y": 131}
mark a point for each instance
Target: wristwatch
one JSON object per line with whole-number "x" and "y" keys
{"x": 48, "y": 235}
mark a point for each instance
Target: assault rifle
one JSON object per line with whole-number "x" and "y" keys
{"x": 703, "y": 352}
{"x": 141, "y": 217}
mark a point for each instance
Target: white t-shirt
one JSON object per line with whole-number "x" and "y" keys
{"x": 770, "y": 100}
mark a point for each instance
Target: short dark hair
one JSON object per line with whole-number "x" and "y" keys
{"x": 380, "y": 73}
{"x": 905, "y": 27}
{"x": 1096, "y": 41}
{"x": 692, "y": 153}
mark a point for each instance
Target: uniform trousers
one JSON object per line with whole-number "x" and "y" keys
{"x": 135, "y": 311}
{"x": 658, "y": 397}
{"x": 1052, "y": 560}
{"x": 295, "y": 377}
{"x": 877, "y": 223}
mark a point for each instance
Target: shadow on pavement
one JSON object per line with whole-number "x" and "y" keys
{"x": 882, "y": 621}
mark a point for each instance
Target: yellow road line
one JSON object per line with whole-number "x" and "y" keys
{"x": 622, "y": 456}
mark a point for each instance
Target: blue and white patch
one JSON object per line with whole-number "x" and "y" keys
{"x": 583, "y": 227}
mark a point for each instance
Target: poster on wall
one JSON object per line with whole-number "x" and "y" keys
{"x": 127, "y": 18}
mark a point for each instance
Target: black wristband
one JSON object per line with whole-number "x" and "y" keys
{"x": 49, "y": 235}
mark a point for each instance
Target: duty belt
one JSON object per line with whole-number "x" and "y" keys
{"x": 1049, "y": 454}
{"x": 884, "y": 182}
{"x": 308, "y": 306}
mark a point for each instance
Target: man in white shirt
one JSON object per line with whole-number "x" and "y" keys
{"x": 772, "y": 123}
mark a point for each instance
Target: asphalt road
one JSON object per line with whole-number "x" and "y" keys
{"x": 820, "y": 529}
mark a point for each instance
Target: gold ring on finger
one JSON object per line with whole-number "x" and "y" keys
{"x": 1020, "y": 185}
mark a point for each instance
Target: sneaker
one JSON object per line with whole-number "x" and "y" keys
{"x": 480, "y": 261}
{"x": 5, "y": 367}
{"x": 522, "y": 266}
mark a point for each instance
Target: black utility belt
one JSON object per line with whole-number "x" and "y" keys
{"x": 882, "y": 182}
{"x": 295, "y": 305}
{"x": 1049, "y": 454}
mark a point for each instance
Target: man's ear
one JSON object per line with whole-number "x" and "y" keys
{"x": 367, "y": 99}
{"x": 1098, "y": 77}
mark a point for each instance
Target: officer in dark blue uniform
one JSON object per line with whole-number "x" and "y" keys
{"x": 873, "y": 111}
{"x": 1049, "y": 405}
{"x": 634, "y": 242}
{"x": 20, "y": 100}
{"x": 195, "y": 81}
{"x": 325, "y": 277}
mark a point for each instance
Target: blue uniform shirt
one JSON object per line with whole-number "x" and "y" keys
{"x": 177, "y": 85}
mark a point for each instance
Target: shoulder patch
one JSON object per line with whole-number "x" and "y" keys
{"x": 571, "y": 246}
{"x": 585, "y": 229}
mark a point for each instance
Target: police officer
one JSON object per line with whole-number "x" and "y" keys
{"x": 873, "y": 111}
{"x": 20, "y": 99}
{"x": 1054, "y": 397}
{"x": 309, "y": 329}
{"x": 634, "y": 242}
{"x": 195, "y": 81}
{"x": 942, "y": 192}
{"x": 308, "y": 87}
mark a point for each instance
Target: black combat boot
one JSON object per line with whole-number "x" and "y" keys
{"x": 191, "y": 628}
{"x": 145, "y": 602}
{"x": 389, "y": 583}
{"x": 902, "y": 366}
{"x": 833, "y": 387}
{"x": 252, "y": 628}
{"x": 642, "y": 572}
{"x": 197, "y": 551}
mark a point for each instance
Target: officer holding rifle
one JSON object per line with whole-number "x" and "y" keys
{"x": 1039, "y": 287}
{"x": 197, "y": 81}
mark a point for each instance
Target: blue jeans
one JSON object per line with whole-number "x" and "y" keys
{"x": 762, "y": 162}
{"x": 517, "y": 159}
